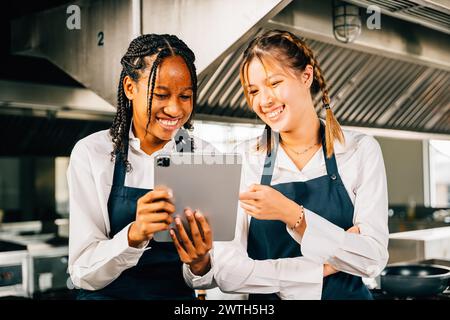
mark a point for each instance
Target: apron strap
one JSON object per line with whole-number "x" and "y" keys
{"x": 269, "y": 162}
{"x": 119, "y": 167}
{"x": 331, "y": 165}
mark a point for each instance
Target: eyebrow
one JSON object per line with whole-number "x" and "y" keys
{"x": 166, "y": 88}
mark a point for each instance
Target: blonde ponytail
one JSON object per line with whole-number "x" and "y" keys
{"x": 333, "y": 130}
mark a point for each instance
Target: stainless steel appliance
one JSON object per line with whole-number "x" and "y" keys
{"x": 33, "y": 264}
{"x": 47, "y": 266}
{"x": 13, "y": 269}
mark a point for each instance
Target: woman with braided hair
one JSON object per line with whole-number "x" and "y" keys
{"x": 313, "y": 211}
{"x": 113, "y": 210}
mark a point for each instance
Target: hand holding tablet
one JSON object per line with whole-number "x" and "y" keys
{"x": 208, "y": 182}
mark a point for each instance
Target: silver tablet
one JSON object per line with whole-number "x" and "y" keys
{"x": 209, "y": 182}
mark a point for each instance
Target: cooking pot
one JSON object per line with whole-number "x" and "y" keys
{"x": 414, "y": 280}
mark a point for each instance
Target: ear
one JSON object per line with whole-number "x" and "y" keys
{"x": 129, "y": 87}
{"x": 307, "y": 76}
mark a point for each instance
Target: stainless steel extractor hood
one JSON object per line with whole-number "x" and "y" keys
{"x": 434, "y": 14}
{"x": 91, "y": 54}
{"x": 396, "y": 77}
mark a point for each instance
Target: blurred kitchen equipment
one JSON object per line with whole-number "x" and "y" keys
{"x": 47, "y": 268}
{"x": 62, "y": 227}
{"x": 13, "y": 269}
{"x": 2, "y": 213}
{"x": 411, "y": 210}
{"x": 33, "y": 260}
{"x": 439, "y": 262}
{"x": 442, "y": 215}
{"x": 414, "y": 280}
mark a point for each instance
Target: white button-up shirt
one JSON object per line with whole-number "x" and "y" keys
{"x": 94, "y": 259}
{"x": 361, "y": 167}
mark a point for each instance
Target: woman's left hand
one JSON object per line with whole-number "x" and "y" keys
{"x": 265, "y": 203}
{"x": 196, "y": 253}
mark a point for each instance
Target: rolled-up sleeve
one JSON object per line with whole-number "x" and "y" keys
{"x": 199, "y": 282}
{"x": 94, "y": 259}
{"x": 363, "y": 254}
{"x": 236, "y": 272}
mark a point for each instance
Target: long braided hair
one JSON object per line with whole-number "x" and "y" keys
{"x": 288, "y": 48}
{"x": 134, "y": 63}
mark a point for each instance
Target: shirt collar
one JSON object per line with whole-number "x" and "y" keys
{"x": 135, "y": 143}
{"x": 283, "y": 160}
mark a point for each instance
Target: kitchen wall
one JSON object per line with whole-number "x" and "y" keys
{"x": 27, "y": 188}
{"x": 9, "y": 183}
{"x": 404, "y": 169}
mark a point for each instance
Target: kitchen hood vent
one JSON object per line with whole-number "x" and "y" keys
{"x": 432, "y": 14}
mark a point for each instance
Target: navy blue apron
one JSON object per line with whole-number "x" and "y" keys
{"x": 327, "y": 197}
{"x": 158, "y": 274}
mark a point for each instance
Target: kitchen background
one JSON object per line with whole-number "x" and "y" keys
{"x": 389, "y": 77}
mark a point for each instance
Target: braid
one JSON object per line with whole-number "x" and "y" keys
{"x": 152, "y": 77}
{"x": 333, "y": 129}
{"x": 298, "y": 55}
{"x": 134, "y": 65}
{"x": 120, "y": 123}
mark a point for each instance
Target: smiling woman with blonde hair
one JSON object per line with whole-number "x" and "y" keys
{"x": 313, "y": 217}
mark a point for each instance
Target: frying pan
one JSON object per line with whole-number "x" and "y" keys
{"x": 414, "y": 280}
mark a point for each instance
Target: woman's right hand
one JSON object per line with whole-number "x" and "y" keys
{"x": 153, "y": 214}
{"x": 194, "y": 252}
{"x": 328, "y": 269}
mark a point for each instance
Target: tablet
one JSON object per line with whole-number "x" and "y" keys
{"x": 209, "y": 182}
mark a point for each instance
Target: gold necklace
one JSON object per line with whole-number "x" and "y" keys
{"x": 300, "y": 152}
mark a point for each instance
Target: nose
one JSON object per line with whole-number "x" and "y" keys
{"x": 173, "y": 109}
{"x": 267, "y": 98}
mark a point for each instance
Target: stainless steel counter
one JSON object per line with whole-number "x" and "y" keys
{"x": 418, "y": 245}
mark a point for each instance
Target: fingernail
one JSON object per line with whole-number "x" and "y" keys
{"x": 188, "y": 213}
{"x": 198, "y": 215}
{"x": 172, "y": 233}
{"x": 170, "y": 192}
{"x": 177, "y": 221}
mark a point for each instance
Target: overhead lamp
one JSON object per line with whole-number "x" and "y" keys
{"x": 346, "y": 21}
